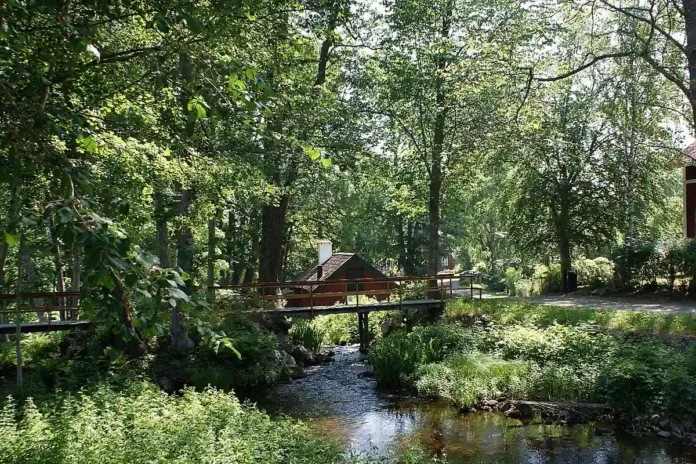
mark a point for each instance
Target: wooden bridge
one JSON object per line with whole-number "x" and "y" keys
{"x": 45, "y": 312}
{"x": 40, "y": 312}
{"x": 307, "y": 299}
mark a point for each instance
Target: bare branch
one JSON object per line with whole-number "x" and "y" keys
{"x": 595, "y": 59}
{"x": 652, "y": 22}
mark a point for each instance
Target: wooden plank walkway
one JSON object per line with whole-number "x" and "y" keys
{"x": 353, "y": 308}
{"x": 27, "y": 327}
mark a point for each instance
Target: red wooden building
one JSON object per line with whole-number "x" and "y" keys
{"x": 690, "y": 191}
{"x": 336, "y": 266}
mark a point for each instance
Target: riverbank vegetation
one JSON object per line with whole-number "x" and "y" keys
{"x": 486, "y": 351}
{"x": 139, "y": 423}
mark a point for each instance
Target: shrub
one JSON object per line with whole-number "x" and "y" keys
{"x": 343, "y": 328}
{"x": 594, "y": 273}
{"x": 442, "y": 340}
{"x": 554, "y": 344}
{"x": 395, "y": 358}
{"x": 554, "y": 279}
{"x": 513, "y": 277}
{"x": 307, "y": 334}
{"x": 553, "y": 382}
{"x": 141, "y": 424}
{"x": 466, "y": 380}
{"x": 635, "y": 378}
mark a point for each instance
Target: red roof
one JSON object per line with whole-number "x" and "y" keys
{"x": 332, "y": 265}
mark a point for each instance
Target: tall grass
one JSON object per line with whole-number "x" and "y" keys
{"x": 305, "y": 333}
{"x": 468, "y": 379}
{"x": 395, "y": 359}
{"x": 343, "y": 328}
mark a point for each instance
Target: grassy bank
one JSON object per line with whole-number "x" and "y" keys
{"x": 139, "y": 423}
{"x": 516, "y": 312}
{"x": 488, "y": 350}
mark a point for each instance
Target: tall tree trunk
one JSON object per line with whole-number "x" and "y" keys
{"x": 211, "y": 258}
{"x": 163, "y": 252}
{"x": 231, "y": 256}
{"x": 58, "y": 263}
{"x": 275, "y": 216}
{"x": 401, "y": 238}
{"x": 76, "y": 279}
{"x": 5, "y": 247}
{"x": 286, "y": 246}
{"x": 564, "y": 249}
{"x": 435, "y": 188}
{"x": 254, "y": 246}
{"x": 690, "y": 24}
{"x": 271, "y": 247}
{"x": 30, "y": 275}
{"x": 184, "y": 259}
{"x": 411, "y": 261}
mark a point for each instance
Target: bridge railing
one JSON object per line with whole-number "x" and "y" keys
{"x": 312, "y": 294}
{"x": 48, "y": 307}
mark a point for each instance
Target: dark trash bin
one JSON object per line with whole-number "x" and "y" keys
{"x": 570, "y": 281}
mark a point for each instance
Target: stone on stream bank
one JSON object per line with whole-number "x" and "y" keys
{"x": 295, "y": 358}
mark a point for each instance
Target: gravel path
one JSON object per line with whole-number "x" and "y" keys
{"x": 626, "y": 304}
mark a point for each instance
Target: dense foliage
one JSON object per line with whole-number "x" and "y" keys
{"x": 548, "y": 354}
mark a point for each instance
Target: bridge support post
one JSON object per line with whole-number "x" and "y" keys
{"x": 363, "y": 332}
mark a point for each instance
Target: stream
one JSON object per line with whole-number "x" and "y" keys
{"x": 344, "y": 406}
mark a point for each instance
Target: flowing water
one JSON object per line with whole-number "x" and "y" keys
{"x": 350, "y": 408}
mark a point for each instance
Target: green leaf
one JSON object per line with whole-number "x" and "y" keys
{"x": 325, "y": 162}
{"x": 12, "y": 240}
{"x": 65, "y": 214}
{"x": 177, "y": 293}
{"x": 228, "y": 344}
{"x": 197, "y": 107}
{"x": 89, "y": 144}
{"x": 105, "y": 280}
{"x": 313, "y": 153}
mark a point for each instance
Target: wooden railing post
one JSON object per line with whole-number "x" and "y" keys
{"x": 311, "y": 301}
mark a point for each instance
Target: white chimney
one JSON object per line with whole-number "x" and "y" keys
{"x": 325, "y": 251}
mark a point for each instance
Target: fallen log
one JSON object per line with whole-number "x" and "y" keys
{"x": 563, "y": 412}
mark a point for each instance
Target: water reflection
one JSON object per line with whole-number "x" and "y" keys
{"x": 351, "y": 409}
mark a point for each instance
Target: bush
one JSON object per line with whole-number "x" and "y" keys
{"x": 442, "y": 340}
{"x": 395, "y": 358}
{"x": 343, "y": 328}
{"x": 466, "y": 380}
{"x": 141, "y": 424}
{"x": 557, "y": 343}
{"x": 513, "y": 277}
{"x": 635, "y": 378}
{"x": 554, "y": 279}
{"x": 307, "y": 334}
{"x": 594, "y": 273}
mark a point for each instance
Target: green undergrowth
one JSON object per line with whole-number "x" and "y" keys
{"x": 307, "y": 334}
{"x": 339, "y": 329}
{"x": 508, "y": 312}
{"x": 69, "y": 361}
{"x": 527, "y": 355}
{"x": 142, "y": 424}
